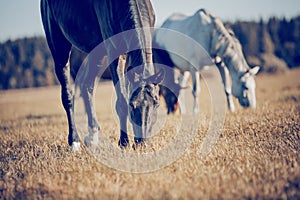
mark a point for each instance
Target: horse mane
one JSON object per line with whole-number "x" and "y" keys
{"x": 138, "y": 10}
{"x": 138, "y": 14}
{"x": 177, "y": 16}
{"x": 205, "y": 11}
{"x": 218, "y": 29}
{"x": 224, "y": 38}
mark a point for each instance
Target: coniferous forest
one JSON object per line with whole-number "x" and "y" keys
{"x": 272, "y": 44}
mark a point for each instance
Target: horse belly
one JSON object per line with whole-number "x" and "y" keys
{"x": 83, "y": 37}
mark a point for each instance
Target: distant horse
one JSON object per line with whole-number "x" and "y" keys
{"x": 222, "y": 46}
{"x": 86, "y": 24}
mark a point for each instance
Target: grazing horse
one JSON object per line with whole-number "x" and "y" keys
{"x": 221, "y": 45}
{"x": 86, "y": 24}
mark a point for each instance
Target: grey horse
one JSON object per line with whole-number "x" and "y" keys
{"x": 220, "y": 44}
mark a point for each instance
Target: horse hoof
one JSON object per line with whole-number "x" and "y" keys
{"x": 123, "y": 143}
{"x": 139, "y": 143}
{"x": 91, "y": 140}
{"x": 75, "y": 147}
{"x": 196, "y": 110}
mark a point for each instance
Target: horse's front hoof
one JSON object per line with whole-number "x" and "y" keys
{"x": 139, "y": 143}
{"x": 123, "y": 143}
{"x": 75, "y": 147}
{"x": 91, "y": 140}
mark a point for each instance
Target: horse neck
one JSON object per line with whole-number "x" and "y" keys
{"x": 236, "y": 62}
{"x": 237, "y": 68}
{"x": 142, "y": 19}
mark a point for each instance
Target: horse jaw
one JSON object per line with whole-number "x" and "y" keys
{"x": 248, "y": 97}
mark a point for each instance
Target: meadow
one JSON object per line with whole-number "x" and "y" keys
{"x": 255, "y": 157}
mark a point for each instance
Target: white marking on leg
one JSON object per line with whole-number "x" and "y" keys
{"x": 75, "y": 147}
{"x": 183, "y": 84}
{"x": 92, "y": 138}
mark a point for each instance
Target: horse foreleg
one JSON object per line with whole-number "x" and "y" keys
{"x": 87, "y": 91}
{"x": 196, "y": 89}
{"x": 227, "y": 85}
{"x": 117, "y": 69}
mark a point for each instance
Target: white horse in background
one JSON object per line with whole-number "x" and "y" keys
{"x": 222, "y": 46}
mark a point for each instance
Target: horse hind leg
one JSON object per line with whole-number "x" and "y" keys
{"x": 62, "y": 70}
{"x": 60, "y": 49}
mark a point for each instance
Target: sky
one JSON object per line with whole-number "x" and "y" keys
{"x": 21, "y": 18}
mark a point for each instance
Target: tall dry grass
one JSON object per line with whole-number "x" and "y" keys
{"x": 256, "y": 156}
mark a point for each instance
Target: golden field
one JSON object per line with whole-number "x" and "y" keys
{"x": 256, "y": 156}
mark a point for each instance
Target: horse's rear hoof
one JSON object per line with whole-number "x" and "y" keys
{"x": 75, "y": 147}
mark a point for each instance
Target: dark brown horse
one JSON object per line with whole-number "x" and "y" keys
{"x": 86, "y": 24}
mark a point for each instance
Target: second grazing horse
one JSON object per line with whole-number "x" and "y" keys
{"x": 221, "y": 45}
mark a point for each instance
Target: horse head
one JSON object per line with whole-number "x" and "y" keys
{"x": 143, "y": 102}
{"x": 243, "y": 88}
{"x": 242, "y": 76}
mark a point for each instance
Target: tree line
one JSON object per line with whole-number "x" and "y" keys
{"x": 274, "y": 45}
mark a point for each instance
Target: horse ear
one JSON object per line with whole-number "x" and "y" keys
{"x": 253, "y": 71}
{"x": 156, "y": 78}
{"x": 133, "y": 74}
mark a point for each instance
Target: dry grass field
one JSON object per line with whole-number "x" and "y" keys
{"x": 255, "y": 157}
